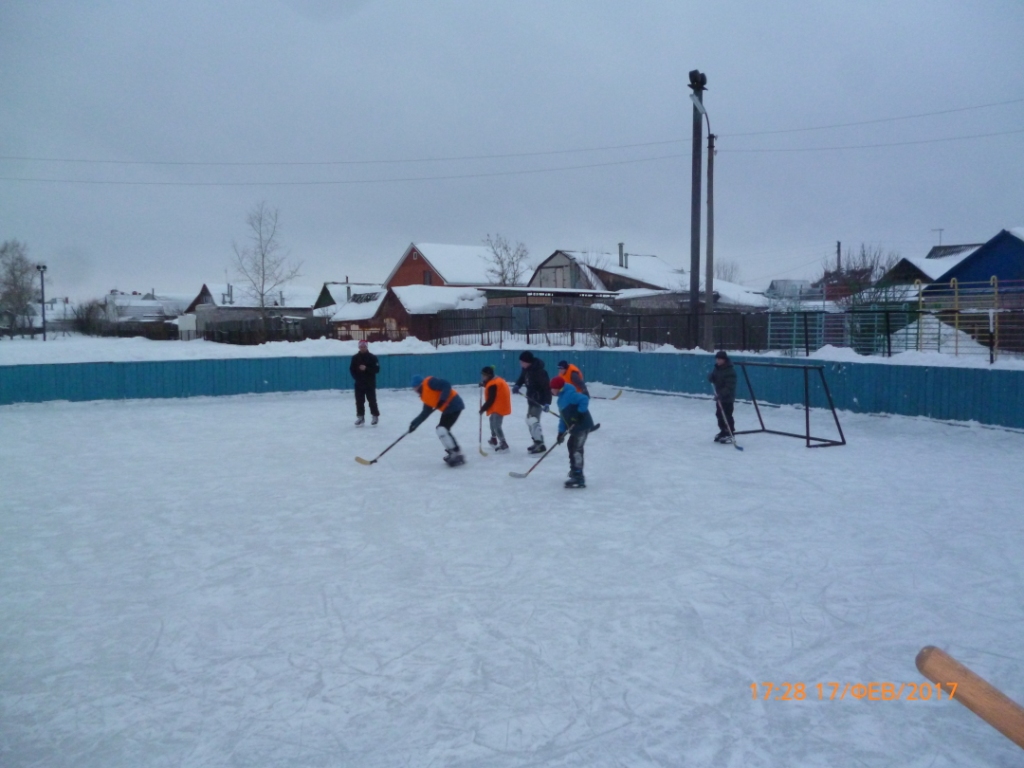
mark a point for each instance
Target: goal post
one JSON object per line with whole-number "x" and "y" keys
{"x": 811, "y": 377}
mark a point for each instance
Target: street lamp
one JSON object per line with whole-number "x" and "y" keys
{"x": 42, "y": 294}
{"x": 709, "y": 265}
{"x": 698, "y": 82}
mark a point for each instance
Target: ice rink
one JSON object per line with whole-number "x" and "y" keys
{"x": 216, "y": 582}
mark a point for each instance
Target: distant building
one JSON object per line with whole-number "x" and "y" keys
{"x": 588, "y": 270}
{"x": 442, "y": 265}
{"x": 939, "y": 260}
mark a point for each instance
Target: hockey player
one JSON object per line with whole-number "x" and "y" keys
{"x": 437, "y": 394}
{"x": 723, "y": 376}
{"x": 572, "y": 375}
{"x": 576, "y": 422}
{"x": 497, "y": 405}
{"x": 538, "y": 393}
{"x": 364, "y": 369}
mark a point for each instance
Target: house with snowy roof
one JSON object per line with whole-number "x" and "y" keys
{"x": 598, "y": 271}
{"x": 230, "y": 307}
{"x": 442, "y": 265}
{"x": 378, "y": 313}
{"x": 927, "y": 269}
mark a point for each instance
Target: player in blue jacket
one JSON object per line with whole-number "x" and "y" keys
{"x": 577, "y": 423}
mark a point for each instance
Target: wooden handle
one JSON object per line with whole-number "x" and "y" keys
{"x": 984, "y": 700}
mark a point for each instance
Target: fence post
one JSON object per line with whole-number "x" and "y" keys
{"x": 601, "y": 337}
{"x": 639, "y": 336}
{"x": 807, "y": 338}
{"x": 888, "y": 336}
{"x": 743, "y": 332}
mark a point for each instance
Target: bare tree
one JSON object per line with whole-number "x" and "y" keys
{"x": 17, "y": 285}
{"x": 854, "y": 281}
{"x": 508, "y": 262}
{"x": 262, "y": 266}
{"x": 727, "y": 270}
{"x": 90, "y": 318}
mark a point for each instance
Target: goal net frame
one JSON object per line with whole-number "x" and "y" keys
{"x": 811, "y": 440}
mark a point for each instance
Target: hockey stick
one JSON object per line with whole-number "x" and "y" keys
{"x": 480, "y": 431}
{"x": 368, "y": 462}
{"x": 616, "y": 396}
{"x": 521, "y": 475}
{"x": 725, "y": 419}
{"x": 529, "y": 399}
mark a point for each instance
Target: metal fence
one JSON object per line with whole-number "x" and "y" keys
{"x": 987, "y": 332}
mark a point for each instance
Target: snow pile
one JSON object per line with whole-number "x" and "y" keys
{"x": 216, "y": 582}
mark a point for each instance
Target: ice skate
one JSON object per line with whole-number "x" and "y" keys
{"x": 373, "y": 421}
{"x": 493, "y": 442}
{"x": 502, "y": 447}
{"x": 455, "y": 459}
{"x": 360, "y": 421}
{"x": 720, "y": 436}
{"x": 576, "y": 480}
{"x": 537, "y": 447}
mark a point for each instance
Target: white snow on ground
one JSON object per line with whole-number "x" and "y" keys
{"x": 87, "y": 349}
{"x": 216, "y": 582}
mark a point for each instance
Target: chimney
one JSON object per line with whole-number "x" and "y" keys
{"x": 348, "y": 292}
{"x": 839, "y": 257}
{"x": 622, "y": 255}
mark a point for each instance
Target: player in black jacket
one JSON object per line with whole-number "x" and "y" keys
{"x": 364, "y": 369}
{"x": 724, "y": 378}
{"x": 538, "y": 393}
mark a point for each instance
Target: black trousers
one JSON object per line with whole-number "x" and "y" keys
{"x": 727, "y": 407}
{"x": 366, "y": 392}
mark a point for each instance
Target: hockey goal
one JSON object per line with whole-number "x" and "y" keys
{"x": 783, "y": 381}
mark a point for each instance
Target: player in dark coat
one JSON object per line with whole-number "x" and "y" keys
{"x": 538, "y": 393}
{"x": 723, "y": 376}
{"x": 364, "y": 369}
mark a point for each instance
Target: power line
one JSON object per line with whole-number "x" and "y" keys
{"x": 500, "y": 156}
{"x": 885, "y": 144}
{"x": 877, "y": 120}
{"x": 345, "y": 182}
{"x": 338, "y": 182}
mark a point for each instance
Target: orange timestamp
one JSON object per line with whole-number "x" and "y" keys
{"x": 874, "y": 691}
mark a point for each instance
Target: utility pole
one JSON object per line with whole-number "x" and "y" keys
{"x": 698, "y": 82}
{"x": 940, "y": 230}
{"x": 42, "y": 294}
{"x": 709, "y": 266}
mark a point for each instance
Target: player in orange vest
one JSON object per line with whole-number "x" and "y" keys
{"x": 438, "y": 395}
{"x": 497, "y": 405}
{"x": 572, "y": 375}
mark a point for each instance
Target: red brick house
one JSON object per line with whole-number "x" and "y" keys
{"x": 437, "y": 264}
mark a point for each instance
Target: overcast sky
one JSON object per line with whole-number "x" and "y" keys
{"x": 235, "y": 87}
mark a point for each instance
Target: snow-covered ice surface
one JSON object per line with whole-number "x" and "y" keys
{"x": 210, "y": 582}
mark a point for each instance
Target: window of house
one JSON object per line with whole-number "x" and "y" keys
{"x": 428, "y": 277}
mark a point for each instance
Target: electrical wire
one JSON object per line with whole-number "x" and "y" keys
{"x": 509, "y": 155}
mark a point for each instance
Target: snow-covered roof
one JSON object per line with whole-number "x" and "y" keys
{"x": 934, "y": 268}
{"x": 652, "y": 270}
{"x": 1017, "y": 232}
{"x": 237, "y": 295}
{"x": 734, "y": 293}
{"x": 458, "y": 264}
{"x": 431, "y": 299}
{"x": 363, "y": 305}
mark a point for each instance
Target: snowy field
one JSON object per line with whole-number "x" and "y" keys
{"x": 216, "y": 582}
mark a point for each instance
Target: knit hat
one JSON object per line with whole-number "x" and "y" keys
{"x": 488, "y": 370}
{"x": 563, "y": 365}
{"x": 557, "y": 382}
{"x": 527, "y": 357}
{"x": 721, "y": 355}
{"x": 363, "y": 344}
{"x": 416, "y": 380}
